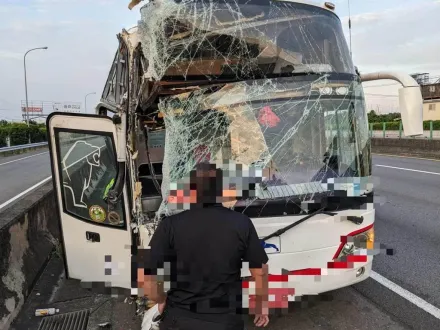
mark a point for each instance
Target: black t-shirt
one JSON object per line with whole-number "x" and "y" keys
{"x": 202, "y": 252}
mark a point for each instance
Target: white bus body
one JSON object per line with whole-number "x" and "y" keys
{"x": 320, "y": 121}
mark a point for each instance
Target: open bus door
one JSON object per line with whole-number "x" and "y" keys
{"x": 96, "y": 235}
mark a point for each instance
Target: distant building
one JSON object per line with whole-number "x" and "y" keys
{"x": 431, "y": 101}
{"x": 431, "y": 95}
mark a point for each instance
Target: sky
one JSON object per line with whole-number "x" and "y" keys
{"x": 81, "y": 40}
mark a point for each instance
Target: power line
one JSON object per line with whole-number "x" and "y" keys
{"x": 395, "y": 84}
{"x": 382, "y": 95}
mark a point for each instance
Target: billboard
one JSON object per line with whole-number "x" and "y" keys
{"x": 67, "y": 106}
{"x": 32, "y": 110}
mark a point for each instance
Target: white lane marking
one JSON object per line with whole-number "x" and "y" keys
{"x": 24, "y": 192}
{"x": 419, "y": 302}
{"x": 408, "y": 169}
{"x": 16, "y": 160}
{"x": 409, "y": 157}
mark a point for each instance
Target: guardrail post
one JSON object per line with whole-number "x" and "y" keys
{"x": 431, "y": 126}
{"x": 384, "y": 128}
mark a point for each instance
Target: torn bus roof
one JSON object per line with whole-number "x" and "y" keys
{"x": 327, "y": 5}
{"x": 131, "y": 37}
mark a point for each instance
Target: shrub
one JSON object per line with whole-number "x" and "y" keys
{"x": 19, "y": 133}
{"x": 394, "y": 125}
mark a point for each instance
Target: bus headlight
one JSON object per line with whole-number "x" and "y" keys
{"x": 326, "y": 90}
{"x": 355, "y": 243}
{"x": 342, "y": 90}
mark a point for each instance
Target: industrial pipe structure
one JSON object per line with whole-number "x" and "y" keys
{"x": 410, "y": 99}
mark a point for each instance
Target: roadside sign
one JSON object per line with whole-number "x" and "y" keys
{"x": 67, "y": 106}
{"x": 32, "y": 110}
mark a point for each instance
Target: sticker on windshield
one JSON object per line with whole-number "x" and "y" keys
{"x": 268, "y": 118}
{"x": 97, "y": 213}
{"x": 114, "y": 218}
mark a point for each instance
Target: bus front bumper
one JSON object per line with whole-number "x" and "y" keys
{"x": 330, "y": 279}
{"x": 292, "y": 286}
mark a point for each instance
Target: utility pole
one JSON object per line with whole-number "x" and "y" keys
{"x": 25, "y": 85}
{"x": 85, "y": 101}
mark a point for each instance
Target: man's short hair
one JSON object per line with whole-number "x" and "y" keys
{"x": 207, "y": 180}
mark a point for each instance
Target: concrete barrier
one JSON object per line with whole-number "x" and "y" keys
{"x": 406, "y": 147}
{"x": 29, "y": 232}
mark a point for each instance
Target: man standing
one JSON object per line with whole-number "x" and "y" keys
{"x": 201, "y": 250}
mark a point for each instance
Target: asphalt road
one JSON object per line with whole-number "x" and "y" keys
{"x": 407, "y": 221}
{"x": 20, "y": 172}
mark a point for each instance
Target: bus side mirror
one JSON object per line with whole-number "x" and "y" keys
{"x": 411, "y": 110}
{"x": 410, "y": 99}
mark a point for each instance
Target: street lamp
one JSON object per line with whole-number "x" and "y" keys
{"x": 85, "y": 101}
{"x": 25, "y": 83}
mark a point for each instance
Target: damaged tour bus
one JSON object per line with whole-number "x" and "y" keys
{"x": 269, "y": 85}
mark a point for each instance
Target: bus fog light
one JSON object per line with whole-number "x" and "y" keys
{"x": 360, "y": 271}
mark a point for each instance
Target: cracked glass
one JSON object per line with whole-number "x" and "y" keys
{"x": 268, "y": 85}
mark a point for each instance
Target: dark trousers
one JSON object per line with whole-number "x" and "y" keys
{"x": 176, "y": 321}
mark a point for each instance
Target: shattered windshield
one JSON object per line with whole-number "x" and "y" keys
{"x": 253, "y": 39}
{"x": 271, "y": 85}
{"x": 300, "y": 133}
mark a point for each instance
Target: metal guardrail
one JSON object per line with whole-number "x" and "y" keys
{"x": 427, "y": 135}
{"x": 22, "y": 146}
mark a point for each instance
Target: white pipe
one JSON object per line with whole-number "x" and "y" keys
{"x": 410, "y": 100}
{"x": 405, "y": 79}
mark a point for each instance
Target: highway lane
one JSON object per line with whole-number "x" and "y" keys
{"x": 19, "y": 172}
{"x": 408, "y": 221}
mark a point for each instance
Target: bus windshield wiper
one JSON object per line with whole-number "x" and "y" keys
{"x": 355, "y": 219}
{"x": 281, "y": 231}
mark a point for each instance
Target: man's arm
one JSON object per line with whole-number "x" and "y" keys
{"x": 156, "y": 258}
{"x": 257, "y": 258}
{"x": 153, "y": 288}
{"x": 260, "y": 276}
